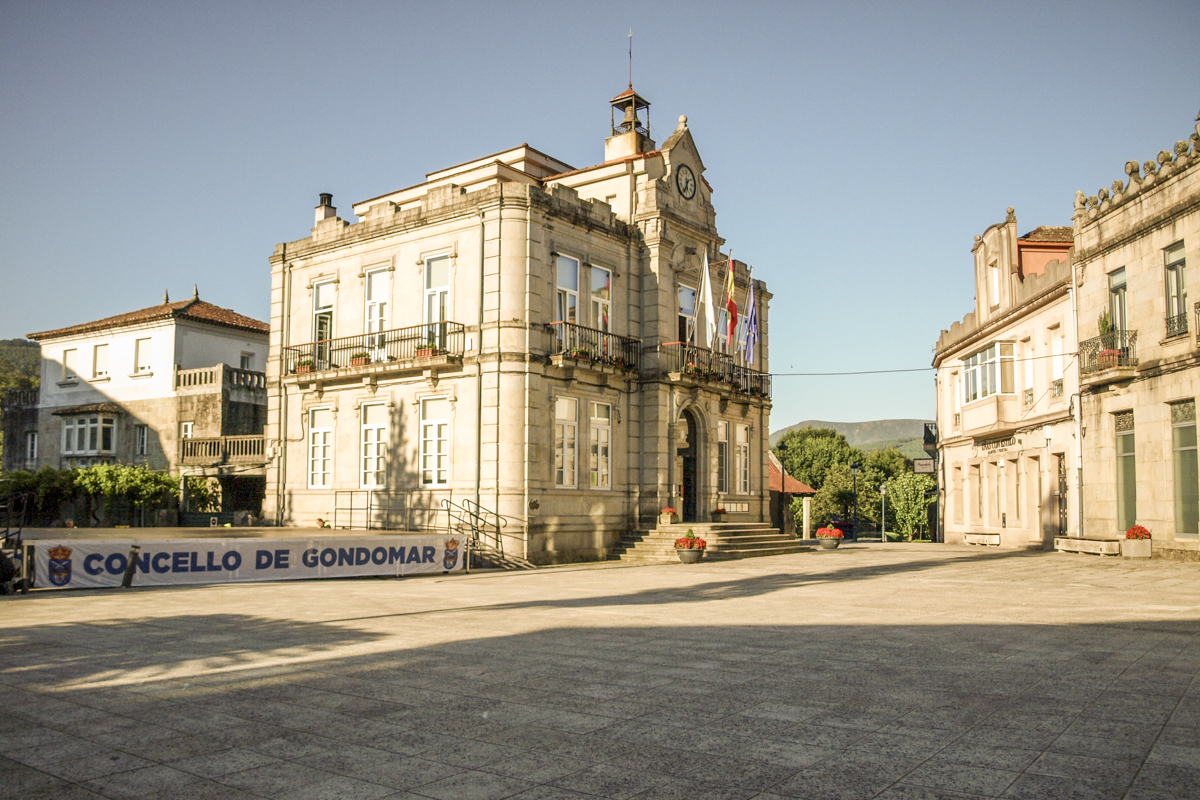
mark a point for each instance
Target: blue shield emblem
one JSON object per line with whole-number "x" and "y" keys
{"x": 450, "y": 559}
{"x": 60, "y": 565}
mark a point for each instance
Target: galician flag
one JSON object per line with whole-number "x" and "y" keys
{"x": 730, "y": 303}
{"x": 751, "y": 326}
{"x": 710, "y": 322}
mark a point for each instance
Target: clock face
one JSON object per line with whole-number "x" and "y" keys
{"x": 686, "y": 181}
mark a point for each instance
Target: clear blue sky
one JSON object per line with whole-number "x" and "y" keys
{"x": 855, "y": 148}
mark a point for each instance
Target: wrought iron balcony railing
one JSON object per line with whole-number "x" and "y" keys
{"x": 700, "y": 363}
{"x": 957, "y": 419}
{"x": 401, "y": 344}
{"x": 223, "y": 450}
{"x": 1029, "y": 397}
{"x": 1116, "y": 349}
{"x": 1177, "y": 325}
{"x": 1056, "y": 387}
{"x": 597, "y": 346}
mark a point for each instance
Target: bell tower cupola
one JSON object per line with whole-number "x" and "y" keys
{"x": 630, "y": 135}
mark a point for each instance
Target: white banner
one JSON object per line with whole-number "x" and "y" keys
{"x": 98, "y": 564}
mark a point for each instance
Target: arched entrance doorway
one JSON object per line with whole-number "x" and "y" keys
{"x": 687, "y": 456}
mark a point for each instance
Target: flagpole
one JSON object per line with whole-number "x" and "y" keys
{"x": 746, "y": 316}
{"x": 728, "y": 270}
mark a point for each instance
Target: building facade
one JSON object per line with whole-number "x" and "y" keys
{"x": 1139, "y": 358}
{"x": 525, "y": 337}
{"x": 177, "y": 387}
{"x": 1007, "y": 447}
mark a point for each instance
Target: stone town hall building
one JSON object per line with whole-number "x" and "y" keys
{"x": 517, "y": 333}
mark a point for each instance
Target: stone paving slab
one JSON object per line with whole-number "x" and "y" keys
{"x": 907, "y": 672}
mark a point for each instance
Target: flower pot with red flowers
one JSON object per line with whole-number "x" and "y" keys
{"x": 830, "y": 538}
{"x": 1108, "y": 358}
{"x": 718, "y": 514}
{"x": 690, "y": 547}
{"x": 360, "y": 359}
{"x": 1136, "y": 543}
{"x": 667, "y": 516}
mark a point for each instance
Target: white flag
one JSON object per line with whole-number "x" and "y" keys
{"x": 710, "y": 322}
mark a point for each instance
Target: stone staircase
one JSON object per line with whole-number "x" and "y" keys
{"x": 726, "y": 540}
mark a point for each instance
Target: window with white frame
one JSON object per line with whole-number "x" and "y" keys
{"x": 989, "y": 372}
{"x": 89, "y": 435}
{"x": 1056, "y": 353}
{"x": 742, "y": 458}
{"x": 602, "y": 299}
{"x": 141, "y": 439}
{"x": 142, "y": 353}
{"x": 994, "y": 283}
{"x": 1176, "y": 290}
{"x": 31, "y": 446}
{"x": 687, "y": 312}
{"x": 435, "y": 441}
{"x": 437, "y": 299}
{"x": 320, "y": 447}
{"x": 247, "y": 361}
{"x": 567, "y": 294}
{"x": 100, "y": 361}
{"x": 565, "y": 437}
{"x": 378, "y": 288}
{"x": 722, "y": 457}
{"x": 374, "y": 445}
{"x": 185, "y": 429}
{"x": 600, "y": 427}
{"x": 70, "y": 360}
{"x": 322, "y": 330}
{"x": 1030, "y": 357}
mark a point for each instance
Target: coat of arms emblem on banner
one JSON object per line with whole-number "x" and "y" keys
{"x": 60, "y": 565}
{"x": 451, "y": 556}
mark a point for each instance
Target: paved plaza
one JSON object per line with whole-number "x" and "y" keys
{"x": 898, "y": 671}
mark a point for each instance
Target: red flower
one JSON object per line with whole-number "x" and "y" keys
{"x": 829, "y": 533}
{"x": 667, "y": 511}
{"x": 1137, "y": 532}
{"x": 690, "y": 543}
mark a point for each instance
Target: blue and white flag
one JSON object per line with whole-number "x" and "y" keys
{"x": 751, "y": 325}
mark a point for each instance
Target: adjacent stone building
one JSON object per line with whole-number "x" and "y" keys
{"x": 1139, "y": 358}
{"x": 525, "y": 338}
{"x": 176, "y": 386}
{"x": 1007, "y": 452}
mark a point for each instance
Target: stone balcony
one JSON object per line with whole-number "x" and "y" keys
{"x": 429, "y": 348}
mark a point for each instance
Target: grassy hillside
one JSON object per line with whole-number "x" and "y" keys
{"x": 911, "y": 448}
{"x": 881, "y": 432}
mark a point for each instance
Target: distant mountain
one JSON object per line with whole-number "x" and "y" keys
{"x": 872, "y": 435}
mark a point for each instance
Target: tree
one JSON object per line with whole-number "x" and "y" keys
{"x": 808, "y": 454}
{"x": 908, "y": 501}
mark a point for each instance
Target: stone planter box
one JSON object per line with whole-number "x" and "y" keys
{"x": 668, "y": 519}
{"x": 718, "y": 516}
{"x": 1135, "y": 548}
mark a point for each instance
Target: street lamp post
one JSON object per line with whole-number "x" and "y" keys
{"x": 883, "y": 513}
{"x": 854, "y": 475}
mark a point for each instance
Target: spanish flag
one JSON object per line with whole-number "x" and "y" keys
{"x": 730, "y": 304}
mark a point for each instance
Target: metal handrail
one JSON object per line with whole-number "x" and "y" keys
{"x": 399, "y": 344}
{"x": 1177, "y": 325}
{"x": 470, "y": 518}
{"x": 702, "y": 363}
{"x": 592, "y": 344}
{"x": 1115, "y": 349}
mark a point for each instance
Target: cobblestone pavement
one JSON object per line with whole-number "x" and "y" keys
{"x": 897, "y": 671}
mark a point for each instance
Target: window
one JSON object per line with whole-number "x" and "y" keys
{"x": 602, "y": 299}
{"x": 435, "y": 441}
{"x": 567, "y": 296}
{"x": 185, "y": 430}
{"x": 100, "y": 361}
{"x": 742, "y": 458}
{"x": 1030, "y": 357}
{"x": 564, "y": 441}
{"x": 994, "y": 283}
{"x": 141, "y": 356}
{"x": 722, "y": 457}
{"x": 320, "y": 447}
{"x": 437, "y": 298}
{"x": 600, "y": 426}
{"x": 378, "y": 286}
{"x": 70, "y": 360}
{"x": 1176, "y": 291}
{"x": 247, "y": 361}
{"x": 687, "y": 312}
{"x": 1126, "y": 471}
{"x": 141, "y": 439}
{"x": 989, "y": 372}
{"x": 323, "y": 296}
{"x": 1116, "y": 298}
{"x": 1056, "y": 352}
{"x": 374, "y": 445}
{"x": 89, "y": 435}
{"x": 31, "y": 446}
{"x": 1018, "y": 501}
{"x": 1187, "y": 476}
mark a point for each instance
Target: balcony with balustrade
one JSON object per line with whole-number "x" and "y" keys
{"x": 699, "y": 366}
{"x": 1108, "y": 358}
{"x": 432, "y": 347}
{"x": 577, "y": 347}
{"x": 220, "y": 451}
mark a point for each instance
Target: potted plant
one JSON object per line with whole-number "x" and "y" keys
{"x": 689, "y": 547}
{"x": 666, "y": 516}
{"x": 1108, "y": 358}
{"x": 360, "y": 359}
{"x": 430, "y": 349}
{"x": 304, "y": 365}
{"x": 1136, "y": 543}
{"x": 718, "y": 514}
{"x": 829, "y": 538}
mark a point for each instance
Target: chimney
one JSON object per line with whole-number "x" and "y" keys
{"x": 325, "y": 210}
